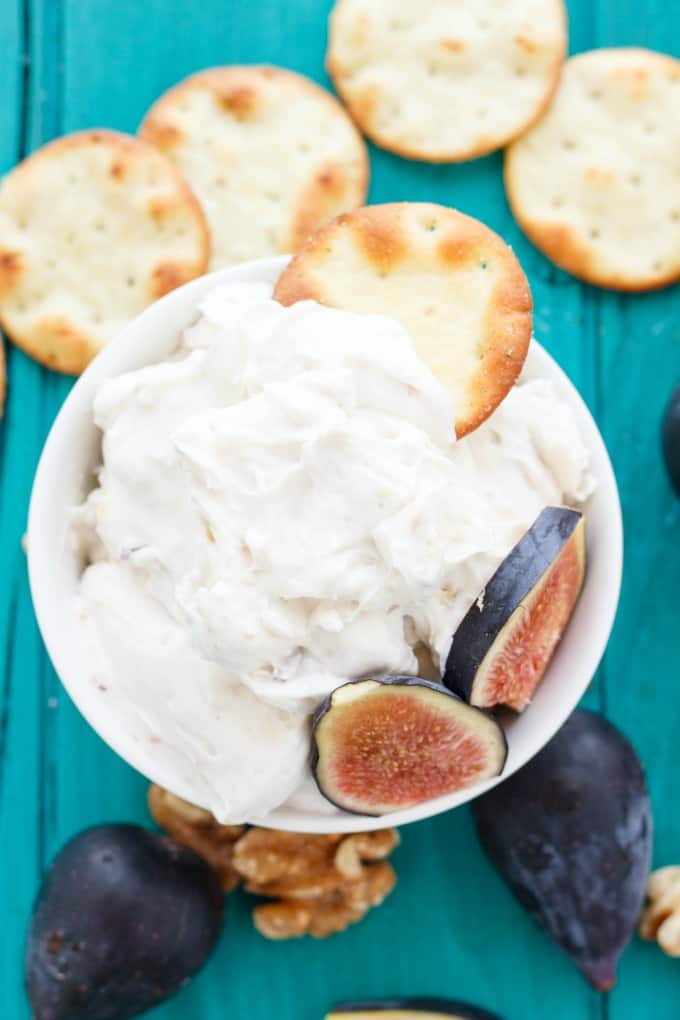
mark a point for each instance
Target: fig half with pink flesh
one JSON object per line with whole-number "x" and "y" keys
{"x": 504, "y": 644}
{"x": 389, "y": 743}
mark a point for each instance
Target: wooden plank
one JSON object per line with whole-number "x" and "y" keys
{"x": 450, "y": 927}
{"x": 13, "y": 58}
{"x": 30, "y": 687}
{"x": 446, "y": 887}
{"x": 639, "y": 344}
{"x": 19, "y": 654}
{"x": 641, "y": 357}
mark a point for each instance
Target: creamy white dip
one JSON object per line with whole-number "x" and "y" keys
{"x": 282, "y": 507}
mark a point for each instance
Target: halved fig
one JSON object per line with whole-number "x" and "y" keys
{"x": 409, "y": 1009}
{"x": 505, "y": 642}
{"x": 392, "y": 742}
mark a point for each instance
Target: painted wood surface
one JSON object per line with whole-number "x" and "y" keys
{"x": 450, "y": 928}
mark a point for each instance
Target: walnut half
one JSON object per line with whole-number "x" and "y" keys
{"x": 329, "y": 913}
{"x": 317, "y": 884}
{"x": 320, "y": 883}
{"x": 660, "y": 920}
{"x": 197, "y": 829}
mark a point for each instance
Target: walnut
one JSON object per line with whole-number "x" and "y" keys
{"x": 329, "y": 912}
{"x": 273, "y": 863}
{"x": 198, "y": 830}
{"x": 661, "y": 917}
{"x": 320, "y": 883}
{"x": 364, "y": 846}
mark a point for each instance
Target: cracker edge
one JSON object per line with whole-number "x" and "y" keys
{"x": 464, "y": 156}
{"x": 249, "y": 76}
{"x": 558, "y": 242}
{"x": 296, "y": 284}
{"x": 79, "y": 349}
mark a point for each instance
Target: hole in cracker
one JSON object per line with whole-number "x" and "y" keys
{"x": 72, "y": 179}
{"x": 181, "y": 232}
{"x": 70, "y": 237}
{"x": 657, "y": 265}
{"x": 594, "y": 233}
{"x": 100, "y": 226}
{"x": 432, "y": 70}
{"x": 483, "y": 23}
{"x": 675, "y": 215}
{"x": 303, "y": 147}
{"x": 568, "y": 144}
{"x": 97, "y": 317}
{"x": 220, "y": 182}
{"x": 482, "y": 112}
{"x": 635, "y": 179}
{"x": 273, "y": 196}
{"x": 557, "y": 202}
{"x": 130, "y": 281}
{"x": 429, "y": 311}
{"x": 595, "y": 93}
{"x": 430, "y": 225}
{"x": 520, "y": 72}
{"x": 484, "y": 265}
{"x": 650, "y": 128}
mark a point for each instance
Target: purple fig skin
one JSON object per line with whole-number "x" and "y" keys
{"x": 123, "y": 920}
{"x": 424, "y": 1004}
{"x": 571, "y": 834}
{"x": 670, "y": 439}
{"x": 528, "y": 565}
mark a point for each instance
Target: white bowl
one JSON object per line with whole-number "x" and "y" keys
{"x": 64, "y": 476}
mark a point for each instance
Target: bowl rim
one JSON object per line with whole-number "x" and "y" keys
{"x": 125, "y": 348}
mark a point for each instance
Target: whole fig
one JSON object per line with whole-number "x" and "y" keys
{"x": 670, "y": 438}
{"x": 124, "y": 919}
{"x": 571, "y": 834}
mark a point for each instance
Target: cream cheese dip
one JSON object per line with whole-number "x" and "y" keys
{"x": 282, "y": 506}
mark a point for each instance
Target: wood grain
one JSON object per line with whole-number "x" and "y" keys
{"x": 450, "y": 928}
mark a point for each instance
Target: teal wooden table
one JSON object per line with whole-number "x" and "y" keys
{"x": 450, "y": 928}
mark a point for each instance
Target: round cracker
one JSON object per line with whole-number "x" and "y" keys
{"x": 270, "y": 154}
{"x": 596, "y": 183}
{"x": 449, "y": 279}
{"x": 93, "y": 227}
{"x": 448, "y": 80}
